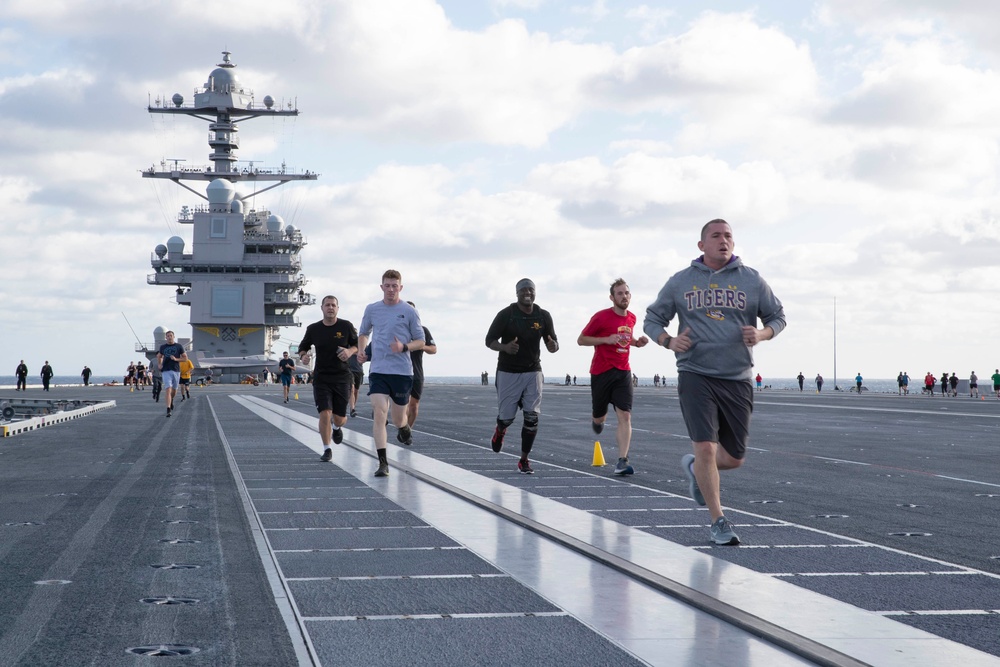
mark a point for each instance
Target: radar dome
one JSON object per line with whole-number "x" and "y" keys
{"x": 177, "y": 99}
{"x": 220, "y": 191}
{"x": 161, "y": 250}
{"x": 290, "y": 229}
{"x": 236, "y": 206}
{"x": 223, "y": 80}
{"x": 175, "y": 244}
{"x": 268, "y": 101}
{"x": 274, "y": 223}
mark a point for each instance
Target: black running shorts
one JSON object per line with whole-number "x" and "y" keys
{"x": 332, "y": 394}
{"x": 613, "y": 386}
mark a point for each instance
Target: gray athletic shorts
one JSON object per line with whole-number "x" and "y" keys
{"x": 171, "y": 379}
{"x": 716, "y": 410}
{"x": 518, "y": 390}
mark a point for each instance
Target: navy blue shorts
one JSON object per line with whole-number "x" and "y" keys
{"x": 396, "y": 387}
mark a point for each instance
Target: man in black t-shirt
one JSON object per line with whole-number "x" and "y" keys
{"x": 169, "y": 358}
{"x": 335, "y": 341}
{"x": 417, "y": 359}
{"x": 285, "y": 369}
{"x": 22, "y": 376}
{"x": 517, "y": 333}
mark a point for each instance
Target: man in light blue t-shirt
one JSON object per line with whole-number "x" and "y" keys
{"x": 395, "y": 330}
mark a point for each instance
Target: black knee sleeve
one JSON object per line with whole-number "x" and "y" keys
{"x": 502, "y": 424}
{"x": 531, "y": 421}
{"x": 527, "y": 439}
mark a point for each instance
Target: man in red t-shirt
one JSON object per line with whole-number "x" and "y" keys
{"x": 610, "y": 332}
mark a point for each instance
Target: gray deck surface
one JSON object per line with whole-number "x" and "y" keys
{"x": 868, "y": 526}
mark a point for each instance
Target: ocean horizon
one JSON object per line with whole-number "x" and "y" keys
{"x": 877, "y": 385}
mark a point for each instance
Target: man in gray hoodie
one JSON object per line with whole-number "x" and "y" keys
{"x": 718, "y": 302}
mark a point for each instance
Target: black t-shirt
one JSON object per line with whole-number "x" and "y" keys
{"x": 168, "y": 350}
{"x": 529, "y": 330}
{"x": 417, "y": 356}
{"x": 286, "y": 366}
{"x": 326, "y": 340}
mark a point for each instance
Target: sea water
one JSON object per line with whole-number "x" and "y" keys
{"x": 875, "y": 386}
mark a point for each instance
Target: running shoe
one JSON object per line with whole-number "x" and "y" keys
{"x": 687, "y": 463}
{"x": 354, "y": 413}
{"x": 327, "y": 455}
{"x": 383, "y": 470}
{"x": 597, "y": 426}
{"x": 338, "y": 435}
{"x": 168, "y": 412}
{"x": 497, "y": 441}
{"x": 405, "y": 435}
{"x": 623, "y": 467}
{"x": 524, "y": 467}
{"x": 723, "y": 533}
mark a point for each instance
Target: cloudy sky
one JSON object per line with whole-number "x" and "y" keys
{"x": 851, "y": 144}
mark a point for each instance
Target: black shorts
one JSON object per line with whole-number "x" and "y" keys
{"x": 185, "y": 381}
{"x": 396, "y": 387}
{"x": 332, "y": 394}
{"x": 612, "y": 386}
{"x": 716, "y": 410}
{"x": 359, "y": 378}
{"x": 418, "y": 387}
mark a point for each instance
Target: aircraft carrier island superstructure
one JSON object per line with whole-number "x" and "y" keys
{"x": 242, "y": 277}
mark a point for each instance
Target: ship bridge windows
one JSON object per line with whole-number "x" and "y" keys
{"x": 227, "y": 301}
{"x": 218, "y": 230}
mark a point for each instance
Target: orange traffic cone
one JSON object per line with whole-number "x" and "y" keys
{"x": 598, "y": 455}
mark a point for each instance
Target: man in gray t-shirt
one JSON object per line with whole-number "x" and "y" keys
{"x": 395, "y": 330}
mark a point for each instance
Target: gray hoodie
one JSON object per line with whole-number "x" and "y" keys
{"x": 715, "y": 305}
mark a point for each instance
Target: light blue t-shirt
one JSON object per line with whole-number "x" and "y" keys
{"x": 399, "y": 321}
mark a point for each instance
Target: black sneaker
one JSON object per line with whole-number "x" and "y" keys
{"x": 327, "y": 455}
{"x": 524, "y": 467}
{"x": 623, "y": 467}
{"x": 597, "y": 426}
{"x": 338, "y": 436}
{"x": 497, "y": 441}
{"x": 354, "y": 413}
{"x": 168, "y": 412}
{"x": 383, "y": 470}
{"x": 405, "y": 435}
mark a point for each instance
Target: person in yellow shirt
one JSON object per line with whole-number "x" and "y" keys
{"x": 186, "y": 367}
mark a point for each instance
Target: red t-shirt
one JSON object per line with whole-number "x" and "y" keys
{"x": 605, "y": 323}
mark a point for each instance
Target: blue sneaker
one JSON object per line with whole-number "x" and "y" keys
{"x": 687, "y": 463}
{"x": 623, "y": 467}
{"x": 723, "y": 533}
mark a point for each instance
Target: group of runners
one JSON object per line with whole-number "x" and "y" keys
{"x": 717, "y": 328}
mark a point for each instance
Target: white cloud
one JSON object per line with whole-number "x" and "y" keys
{"x": 653, "y": 20}
{"x": 639, "y": 189}
{"x": 471, "y": 158}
